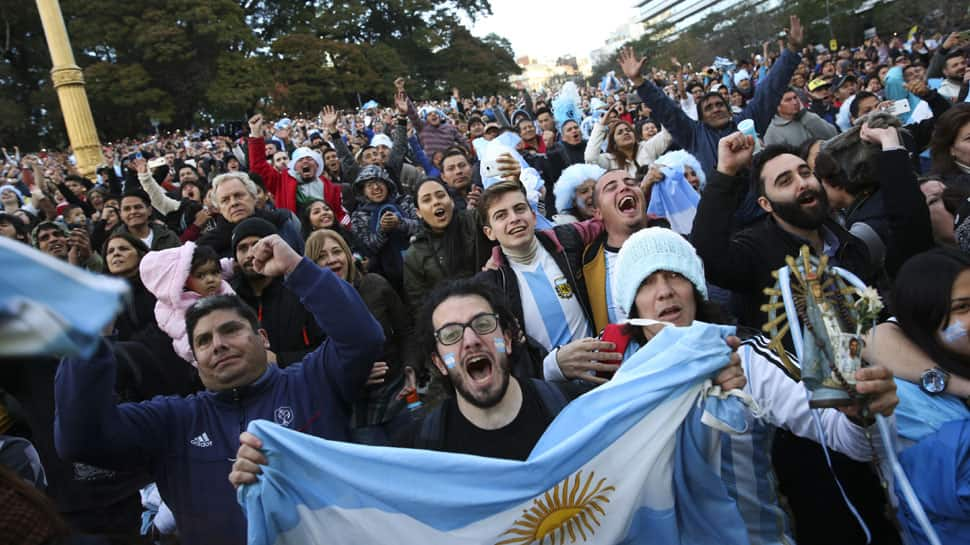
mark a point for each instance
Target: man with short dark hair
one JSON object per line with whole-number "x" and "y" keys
{"x": 456, "y": 171}
{"x": 136, "y": 219}
{"x": 714, "y": 113}
{"x": 189, "y": 443}
{"x": 794, "y": 125}
{"x": 949, "y": 62}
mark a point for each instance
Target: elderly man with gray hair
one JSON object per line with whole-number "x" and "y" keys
{"x": 234, "y": 194}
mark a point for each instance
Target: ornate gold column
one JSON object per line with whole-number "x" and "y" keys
{"x": 69, "y": 82}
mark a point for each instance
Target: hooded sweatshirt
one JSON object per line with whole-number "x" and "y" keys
{"x": 164, "y": 273}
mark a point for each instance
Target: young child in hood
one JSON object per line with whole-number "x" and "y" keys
{"x": 178, "y": 277}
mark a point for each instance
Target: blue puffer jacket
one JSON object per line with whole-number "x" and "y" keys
{"x": 189, "y": 444}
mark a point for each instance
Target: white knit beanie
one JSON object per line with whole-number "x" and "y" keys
{"x": 382, "y": 139}
{"x": 650, "y": 250}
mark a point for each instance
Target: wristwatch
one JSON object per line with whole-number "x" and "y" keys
{"x": 933, "y": 381}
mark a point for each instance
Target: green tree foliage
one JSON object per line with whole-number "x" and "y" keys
{"x": 188, "y": 63}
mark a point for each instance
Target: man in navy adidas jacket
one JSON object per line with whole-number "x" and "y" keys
{"x": 189, "y": 444}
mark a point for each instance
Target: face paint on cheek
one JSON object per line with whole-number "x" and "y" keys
{"x": 500, "y": 345}
{"x": 954, "y": 332}
{"x": 450, "y": 360}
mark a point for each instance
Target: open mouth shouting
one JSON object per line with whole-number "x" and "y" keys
{"x": 627, "y": 204}
{"x": 479, "y": 368}
{"x": 439, "y": 212}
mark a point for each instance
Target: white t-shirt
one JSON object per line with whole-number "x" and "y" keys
{"x": 149, "y": 239}
{"x": 550, "y": 308}
{"x": 614, "y": 312}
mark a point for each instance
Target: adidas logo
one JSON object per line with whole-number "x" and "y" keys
{"x": 202, "y": 441}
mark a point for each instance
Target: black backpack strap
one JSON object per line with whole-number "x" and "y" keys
{"x": 552, "y": 398}
{"x": 431, "y": 434}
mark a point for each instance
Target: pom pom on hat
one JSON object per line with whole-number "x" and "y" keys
{"x": 648, "y": 251}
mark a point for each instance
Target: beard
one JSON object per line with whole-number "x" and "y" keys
{"x": 490, "y": 399}
{"x": 796, "y": 214}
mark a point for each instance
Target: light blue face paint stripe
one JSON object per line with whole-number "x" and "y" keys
{"x": 500, "y": 345}
{"x": 954, "y": 332}
{"x": 553, "y": 317}
{"x": 450, "y": 360}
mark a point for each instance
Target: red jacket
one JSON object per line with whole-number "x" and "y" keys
{"x": 283, "y": 186}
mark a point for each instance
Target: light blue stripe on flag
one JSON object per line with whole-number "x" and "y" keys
{"x": 50, "y": 307}
{"x": 629, "y": 462}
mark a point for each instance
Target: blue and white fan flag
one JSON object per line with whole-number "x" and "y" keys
{"x": 675, "y": 199}
{"x": 49, "y": 307}
{"x": 370, "y": 104}
{"x": 629, "y": 462}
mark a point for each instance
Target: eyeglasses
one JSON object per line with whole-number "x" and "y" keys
{"x": 482, "y": 324}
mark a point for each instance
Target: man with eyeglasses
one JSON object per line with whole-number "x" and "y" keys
{"x": 188, "y": 444}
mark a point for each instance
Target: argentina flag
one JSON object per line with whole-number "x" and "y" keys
{"x": 674, "y": 198}
{"x": 629, "y": 462}
{"x": 50, "y": 307}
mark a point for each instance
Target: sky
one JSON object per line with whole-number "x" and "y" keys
{"x": 551, "y": 28}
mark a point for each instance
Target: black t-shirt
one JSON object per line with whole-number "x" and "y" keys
{"x": 514, "y": 441}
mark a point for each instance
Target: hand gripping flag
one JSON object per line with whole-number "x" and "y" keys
{"x": 674, "y": 198}
{"x": 629, "y": 462}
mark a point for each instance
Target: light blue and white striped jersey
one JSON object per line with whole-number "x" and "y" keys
{"x": 552, "y": 313}
{"x": 746, "y": 459}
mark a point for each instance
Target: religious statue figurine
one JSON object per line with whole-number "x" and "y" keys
{"x": 827, "y": 311}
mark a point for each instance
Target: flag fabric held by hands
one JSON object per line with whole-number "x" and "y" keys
{"x": 629, "y": 462}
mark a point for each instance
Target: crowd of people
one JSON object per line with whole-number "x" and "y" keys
{"x": 449, "y": 274}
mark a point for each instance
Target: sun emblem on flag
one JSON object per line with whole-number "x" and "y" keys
{"x": 569, "y": 509}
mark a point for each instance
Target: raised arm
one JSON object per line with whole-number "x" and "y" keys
{"x": 354, "y": 338}
{"x": 729, "y": 262}
{"x": 160, "y": 201}
{"x": 909, "y": 218}
{"x": 665, "y": 110}
{"x": 888, "y": 345}
{"x": 768, "y": 94}
{"x": 257, "y": 157}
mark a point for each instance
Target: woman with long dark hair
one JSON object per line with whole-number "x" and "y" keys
{"x": 122, "y": 253}
{"x": 931, "y": 301}
{"x": 622, "y": 148}
{"x": 950, "y": 145}
{"x": 449, "y": 245}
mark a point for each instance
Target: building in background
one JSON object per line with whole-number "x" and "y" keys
{"x": 682, "y": 14}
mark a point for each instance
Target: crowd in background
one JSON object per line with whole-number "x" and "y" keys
{"x": 862, "y": 153}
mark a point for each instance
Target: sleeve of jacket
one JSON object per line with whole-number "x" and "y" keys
{"x": 909, "y": 218}
{"x": 729, "y": 262}
{"x": 71, "y": 198}
{"x": 348, "y": 165}
{"x": 90, "y": 427}
{"x": 354, "y": 338}
{"x": 768, "y": 93}
{"x": 410, "y": 222}
{"x": 935, "y": 69}
{"x": 257, "y": 157}
{"x": 415, "y": 283}
{"x": 414, "y": 117}
{"x": 371, "y": 240}
{"x": 160, "y": 201}
{"x": 669, "y": 113}
{"x": 649, "y": 150}
{"x": 400, "y": 140}
{"x": 595, "y": 143}
{"x": 785, "y": 404}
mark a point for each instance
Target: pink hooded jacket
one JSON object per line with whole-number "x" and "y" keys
{"x": 164, "y": 273}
